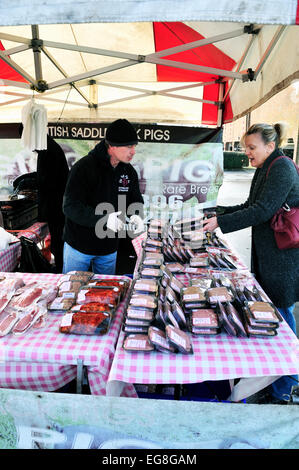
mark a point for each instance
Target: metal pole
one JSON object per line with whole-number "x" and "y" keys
{"x": 36, "y": 53}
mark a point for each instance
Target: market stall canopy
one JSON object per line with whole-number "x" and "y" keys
{"x": 104, "y": 60}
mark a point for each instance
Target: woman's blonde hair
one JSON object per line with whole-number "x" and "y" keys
{"x": 269, "y": 133}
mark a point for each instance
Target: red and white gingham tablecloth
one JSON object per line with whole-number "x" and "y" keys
{"x": 9, "y": 257}
{"x": 214, "y": 358}
{"x": 45, "y": 359}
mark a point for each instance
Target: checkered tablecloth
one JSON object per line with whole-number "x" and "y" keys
{"x": 9, "y": 257}
{"x": 45, "y": 359}
{"x": 214, "y": 358}
{"x": 218, "y": 358}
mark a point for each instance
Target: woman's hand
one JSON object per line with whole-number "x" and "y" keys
{"x": 209, "y": 225}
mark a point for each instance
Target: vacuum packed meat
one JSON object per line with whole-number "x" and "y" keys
{"x": 103, "y": 295}
{"x": 28, "y": 319}
{"x": 85, "y": 323}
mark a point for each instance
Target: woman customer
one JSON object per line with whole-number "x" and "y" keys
{"x": 277, "y": 271}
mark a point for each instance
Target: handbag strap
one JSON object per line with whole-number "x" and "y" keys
{"x": 277, "y": 158}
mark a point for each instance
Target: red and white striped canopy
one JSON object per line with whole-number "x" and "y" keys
{"x": 192, "y": 72}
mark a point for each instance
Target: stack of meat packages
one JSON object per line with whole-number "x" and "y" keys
{"x": 164, "y": 312}
{"x": 88, "y": 303}
{"x": 23, "y": 307}
{"x": 154, "y": 318}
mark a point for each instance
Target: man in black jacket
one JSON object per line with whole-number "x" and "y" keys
{"x": 102, "y": 188}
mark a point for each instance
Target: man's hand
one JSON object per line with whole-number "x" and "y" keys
{"x": 136, "y": 220}
{"x": 114, "y": 223}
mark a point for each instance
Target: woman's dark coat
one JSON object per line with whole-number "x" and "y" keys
{"x": 276, "y": 270}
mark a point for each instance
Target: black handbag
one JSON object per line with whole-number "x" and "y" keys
{"x": 32, "y": 260}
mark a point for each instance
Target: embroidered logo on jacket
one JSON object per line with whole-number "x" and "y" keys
{"x": 123, "y": 183}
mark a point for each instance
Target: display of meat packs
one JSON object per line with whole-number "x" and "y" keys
{"x": 23, "y": 306}
{"x": 217, "y": 295}
{"x": 89, "y": 305}
{"x": 154, "y": 318}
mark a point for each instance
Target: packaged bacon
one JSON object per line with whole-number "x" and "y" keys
{"x": 28, "y": 318}
{"x": 137, "y": 342}
{"x": 179, "y": 339}
{"x": 5, "y": 297}
{"x": 26, "y": 296}
{"x": 159, "y": 340}
{"x": 82, "y": 323}
{"x": 11, "y": 284}
{"x": 9, "y": 318}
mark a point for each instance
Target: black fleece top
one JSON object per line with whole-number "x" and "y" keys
{"x": 52, "y": 173}
{"x": 92, "y": 181}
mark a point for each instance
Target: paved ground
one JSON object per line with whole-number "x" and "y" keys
{"x": 235, "y": 190}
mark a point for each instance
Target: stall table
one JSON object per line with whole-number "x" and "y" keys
{"x": 256, "y": 361}
{"x": 214, "y": 358}
{"x": 9, "y": 258}
{"x": 44, "y": 359}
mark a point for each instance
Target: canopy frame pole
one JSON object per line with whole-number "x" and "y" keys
{"x": 36, "y": 43}
{"x": 14, "y": 101}
{"x": 40, "y": 97}
{"x": 165, "y": 92}
{"x": 62, "y": 71}
{"x": 91, "y": 50}
{"x": 4, "y": 81}
{"x": 91, "y": 73}
{"x": 269, "y": 49}
{"x": 13, "y": 38}
{"x": 18, "y": 69}
{"x": 188, "y": 98}
{"x": 220, "y": 106}
{"x": 194, "y": 85}
{"x": 15, "y": 50}
{"x": 199, "y": 43}
{"x": 196, "y": 68}
{"x": 241, "y": 61}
